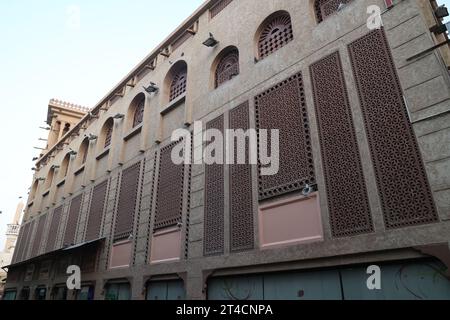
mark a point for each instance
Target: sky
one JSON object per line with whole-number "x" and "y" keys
{"x": 75, "y": 51}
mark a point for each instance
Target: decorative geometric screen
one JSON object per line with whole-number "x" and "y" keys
{"x": 139, "y": 113}
{"x": 38, "y": 237}
{"x": 217, "y": 8}
{"x": 108, "y": 136}
{"x": 241, "y": 193}
{"x": 402, "y": 181}
{"x": 96, "y": 211}
{"x": 276, "y": 34}
{"x": 178, "y": 86}
{"x": 348, "y": 203}
{"x": 228, "y": 67}
{"x": 72, "y": 221}
{"x": 28, "y": 244}
{"x": 283, "y": 108}
{"x": 127, "y": 202}
{"x": 23, "y": 237}
{"x": 214, "y": 201}
{"x": 324, "y": 8}
{"x": 169, "y": 195}
{"x": 53, "y": 231}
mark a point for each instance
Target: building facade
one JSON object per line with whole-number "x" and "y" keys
{"x": 363, "y": 180}
{"x": 12, "y": 232}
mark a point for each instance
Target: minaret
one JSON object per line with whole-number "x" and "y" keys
{"x": 12, "y": 230}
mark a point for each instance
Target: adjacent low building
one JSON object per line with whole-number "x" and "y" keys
{"x": 364, "y": 179}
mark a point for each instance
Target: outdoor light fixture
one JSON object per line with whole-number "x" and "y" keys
{"x": 119, "y": 116}
{"x": 441, "y": 12}
{"x": 152, "y": 88}
{"x": 56, "y": 167}
{"x": 92, "y": 137}
{"x": 35, "y": 158}
{"x": 73, "y": 152}
{"x": 47, "y": 128}
{"x": 33, "y": 169}
{"x": 40, "y": 179}
{"x": 211, "y": 41}
{"x": 91, "y": 115}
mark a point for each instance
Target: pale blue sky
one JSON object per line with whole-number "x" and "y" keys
{"x": 45, "y": 54}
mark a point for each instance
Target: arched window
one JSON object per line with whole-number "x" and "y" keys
{"x": 49, "y": 180}
{"x": 107, "y": 132}
{"x": 84, "y": 150}
{"x": 65, "y": 166}
{"x": 179, "y": 81}
{"x": 324, "y": 8}
{"x": 34, "y": 189}
{"x": 228, "y": 66}
{"x": 274, "y": 34}
{"x": 139, "y": 113}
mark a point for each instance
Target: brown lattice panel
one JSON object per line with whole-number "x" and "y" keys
{"x": 218, "y": 7}
{"x": 38, "y": 237}
{"x": 98, "y": 202}
{"x": 126, "y": 207}
{"x": 402, "y": 182}
{"x": 325, "y": 8}
{"x": 108, "y": 136}
{"x": 72, "y": 220}
{"x": 178, "y": 86}
{"x": 241, "y": 194}
{"x": 283, "y": 107}
{"x": 169, "y": 195}
{"x": 53, "y": 230}
{"x": 23, "y": 243}
{"x": 276, "y": 34}
{"x": 139, "y": 113}
{"x": 214, "y": 201}
{"x": 348, "y": 202}
{"x": 228, "y": 67}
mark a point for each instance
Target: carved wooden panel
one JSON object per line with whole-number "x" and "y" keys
{"x": 228, "y": 67}
{"x": 38, "y": 237}
{"x": 53, "y": 230}
{"x": 126, "y": 207}
{"x": 348, "y": 202}
{"x": 139, "y": 113}
{"x": 283, "y": 108}
{"x": 325, "y": 8}
{"x": 98, "y": 201}
{"x": 169, "y": 195}
{"x": 276, "y": 34}
{"x": 241, "y": 193}
{"x": 402, "y": 181}
{"x": 178, "y": 86}
{"x": 72, "y": 221}
{"x": 214, "y": 201}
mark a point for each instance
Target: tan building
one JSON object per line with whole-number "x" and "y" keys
{"x": 12, "y": 232}
{"x": 364, "y": 178}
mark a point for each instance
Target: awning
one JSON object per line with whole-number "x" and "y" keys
{"x": 49, "y": 254}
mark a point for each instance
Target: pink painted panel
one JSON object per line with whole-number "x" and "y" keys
{"x": 292, "y": 221}
{"x": 121, "y": 254}
{"x": 166, "y": 246}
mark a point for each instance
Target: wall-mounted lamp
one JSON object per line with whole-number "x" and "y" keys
{"x": 211, "y": 41}
{"x": 33, "y": 169}
{"x": 119, "y": 116}
{"x": 72, "y": 152}
{"x": 55, "y": 167}
{"x": 40, "y": 179}
{"x": 441, "y": 12}
{"x": 91, "y": 137}
{"x": 152, "y": 88}
{"x": 93, "y": 116}
{"x": 35, "y": 158}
